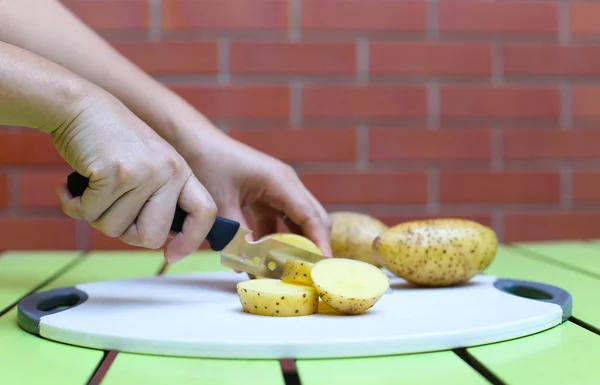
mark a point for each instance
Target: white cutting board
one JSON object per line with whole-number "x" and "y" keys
{"x": 200, "y": 315}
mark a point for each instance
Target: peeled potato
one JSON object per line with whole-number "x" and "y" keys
{"x": 273, "y": 297}
{"x": 298, "y": 241}
{"x": 297, "y": 272}
{"x": 349, "y": 286}
{"x": 291, "y": 239}
{"x": 352, "y": 236}
{"x": 437, "y": 252}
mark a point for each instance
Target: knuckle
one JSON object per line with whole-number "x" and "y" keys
{"x": 125, "y": 173}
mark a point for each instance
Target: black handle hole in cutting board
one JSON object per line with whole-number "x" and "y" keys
{"x": 58, "y": 303}
{"x": 528, "y": 292}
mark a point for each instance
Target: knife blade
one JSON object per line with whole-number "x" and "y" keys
{"x": 265, "y": 257}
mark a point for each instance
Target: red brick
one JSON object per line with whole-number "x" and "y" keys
{"x": 584, "y": 101}
{"x": 391, "y": 219}
{"x": 551, "y": 59}
{"x": 28, "y": 147}
{"x": 373, "y": 101}
{"x": 367, "y": 188}
{"x": 547, "y": 226}
{"x": 536, "y": 144}
{"x": 302, "y": 145}
{"x": 37, "y": 234}
{"x": 583, "y": 18}
{"x": 498, "y": 17}
{"x": 225, "y": 15}
{"x": 431, "y": 58}
{"x": 171, "y": 57}
{"x": 114, "y": 15}
{"x": 4, "y": 193}
{"x": 481, "y": 101}
{"x": 243, "y": 101}
{"x": 293, "y": 58}
{"x": 373, "y": 15}
{"x": 586, "y": 186}
{"x": 474, "y": 186}
{"x": 38, "y": 188}
{"x": 388, "y": 144}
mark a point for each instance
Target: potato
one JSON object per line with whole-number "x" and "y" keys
{"x": 352, "y": 236}
{"x": 437, "y": 252}
{"x": 297, "y": 272}
{"x": 349, "y": 286}
{"x": 298, "y": 241}
{"x": 291, "y": 239}
{"x": 273, "y": 297}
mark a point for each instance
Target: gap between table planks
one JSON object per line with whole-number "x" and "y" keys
{"x": 556, "y": 345}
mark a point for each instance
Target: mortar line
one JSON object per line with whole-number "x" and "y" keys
{"x": 155, "y": 30}
{"x": 433, "y": 191}
{"x": 295, "y": 15}
{"x": 362, "y": 60}
{"x": 432, "y": 19}
{"x": 433, "y": 104}
{"x": 224, "y": 47}
{"x": 295, "y": 103}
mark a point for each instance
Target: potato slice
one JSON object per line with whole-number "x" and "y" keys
{"x": 349, "y": 286}
{"x": 297, "y": 272}
{"x": 273, "y": 297}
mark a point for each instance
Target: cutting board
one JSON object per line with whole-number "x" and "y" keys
{"x": 199, "y": 315}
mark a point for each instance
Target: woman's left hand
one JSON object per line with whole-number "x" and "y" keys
{"x": 270, "y": 189}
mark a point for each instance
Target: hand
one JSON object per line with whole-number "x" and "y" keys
{"x": 238, "y": 176}
{"x": 136, "y": 179}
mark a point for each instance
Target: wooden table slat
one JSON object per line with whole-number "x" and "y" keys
{"x": 578, "y": 255}
{"x": 415, "y": 369}
{"x": 149, "y": 370}
{"x": 21, "y": 272}
{"x": 564, "y": 354}
{"x": 34, "y": 360}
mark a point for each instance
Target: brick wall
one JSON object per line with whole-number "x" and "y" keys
{"x": 405, "y": 109}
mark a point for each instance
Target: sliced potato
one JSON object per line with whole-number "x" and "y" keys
{"x": 349, "y": 286}
{"x": 352, "y": 235}
{"x": 437, "y": 252}
{"x": 297, "y": 272}
{"x": 273, "y": 297}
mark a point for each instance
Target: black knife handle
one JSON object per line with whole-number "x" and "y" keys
{"x": 219, "y": 236}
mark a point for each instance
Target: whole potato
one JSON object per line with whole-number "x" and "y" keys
{"x": 437, "y": 252}
{"x": 352, "y": 236}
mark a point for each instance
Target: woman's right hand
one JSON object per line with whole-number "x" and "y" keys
{"x": 136, "y": 178}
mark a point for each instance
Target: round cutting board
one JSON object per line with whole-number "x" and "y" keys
{"x": 200, "y": 315}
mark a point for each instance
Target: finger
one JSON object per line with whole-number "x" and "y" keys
{"x": 201, "y": 214}
{"x": 154, "y": 216}
{"x": 265, "y": 218}
{"x": 102, "y": 192}
{"x": 234, "y": 212}
{"x": 70, "y": 205}
{"x": 299, "y": 209}
{"x": 124, "y": 211}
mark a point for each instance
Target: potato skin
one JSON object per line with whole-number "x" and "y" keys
{"x": 274, "y": 298}
{"x": 352, "y": 235}
{"x": 437, "y": 252}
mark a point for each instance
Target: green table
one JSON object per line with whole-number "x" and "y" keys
{"x": 565, "y": 355}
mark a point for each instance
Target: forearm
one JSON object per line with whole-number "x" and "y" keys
{"x": 35, "y": 92}
{"x": 47, "y": 28}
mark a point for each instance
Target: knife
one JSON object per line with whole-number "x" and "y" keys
{"x": 264, "y": 258}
